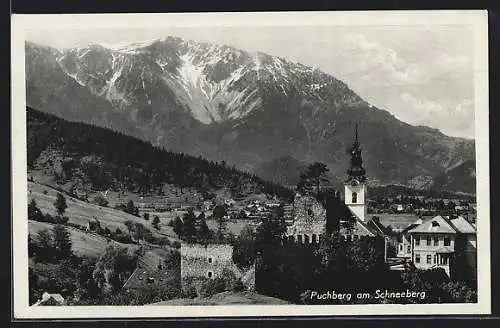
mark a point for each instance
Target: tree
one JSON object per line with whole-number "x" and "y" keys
{"x": 177, "y": 225}
{"x": 156, "y": 222}
{"x": 139, "y": 231}
{"x": 459, "y": 292}
{"x": 44, "y": 244}
{"x": 130, "y": 226}
{"x": 131, "y": 208}
{"x": 189, "y": 226}
{"x": 244, "y": 248}
{"x": 34, "y": 212}
{"x": 60, "y": 204}
{"x": 62, "y": 240}
{"x": 86, "y": 285}
{"x": 219, "y": 214}
{"x": 314, "y": 175}
{"x": 100, "y": 200}
{"x": 202, "y": 230}
{"x": 113, "y": 268}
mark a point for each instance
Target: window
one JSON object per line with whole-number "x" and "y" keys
{"x": 429, "y": 241}
{"x": 447, "y": 241}
{"x": 429, "y": 259}
{"x": 400, "y": 248}
{"x": 436, "y": 241}
{"x": 354, "y": 197}
{"x": 299, "y": 238}
{"x": 313, "y": 238}
{"x": 417, "y": 241}
{"x": 210, "y": 260}
{"x": 417, "y": 258}
{"x": 306, "y": 239}
{"x": 210, "y": 274}
{"x": 408, "y": 249}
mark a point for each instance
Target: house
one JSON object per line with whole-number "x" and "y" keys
{"x": 404, "y": 242}
{"x": 444, "y": 242}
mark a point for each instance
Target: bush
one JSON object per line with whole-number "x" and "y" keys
{"x": 173, "y": 261}
{"x": 238, "y": 286}
{"x": 212, "y": 286}
{"x": 61, "y": 220}
{"x": 189, "y": 288}
{"x": 100, "y": 200}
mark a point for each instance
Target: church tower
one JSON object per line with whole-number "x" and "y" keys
{"x": 355, "y": 189}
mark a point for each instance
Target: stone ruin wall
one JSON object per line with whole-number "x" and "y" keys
{"x": 309, "y": 219}
{"x": 195, "y": 260}
{"x": 195, "y": 263}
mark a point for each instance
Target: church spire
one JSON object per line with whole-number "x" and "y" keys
{"x": 356, "y": 170}
{"x": 356, "y": 141}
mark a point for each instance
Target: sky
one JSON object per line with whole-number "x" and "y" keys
{"x": 422, "y": 74}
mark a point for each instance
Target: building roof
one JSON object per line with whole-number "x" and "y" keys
{"x": 377, "y": 227}
{"x": 462, "y": 225}
{"x": 397, "y": 221}
{"x": 435, "y": 225}
{"x": 445, "y": 249}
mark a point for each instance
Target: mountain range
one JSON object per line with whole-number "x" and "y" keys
{"x": 261, "y": 113}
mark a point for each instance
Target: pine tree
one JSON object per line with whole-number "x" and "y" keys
{"x": 62, "y": 240}
{"x": 219, "y": 214}
{"x": 60, "y": 204}
{"x": 156, "y": 222}
{"x": 314, "y": 176}
{"x": 34, "y": 212}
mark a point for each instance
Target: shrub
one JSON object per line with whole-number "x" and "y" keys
{"x": 190, "y": 287}
{"x": 61, "y": 220}
{"x": 238, "y": 286}
{"x": 100, "y": 200}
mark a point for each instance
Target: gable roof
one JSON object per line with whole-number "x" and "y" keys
{"x": 435, "y": 225}
{"x": 377, "y": 227}
{"x": 364, "y": 226}
{"x": 462, "y": 225}
{"x": 371, "y": 231}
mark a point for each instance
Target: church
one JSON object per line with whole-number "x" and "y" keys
{"x": 309, "y": 219}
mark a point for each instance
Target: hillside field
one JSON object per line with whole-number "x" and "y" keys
{"x": 84, "y": 244}
{"x": 80, "y": 212}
